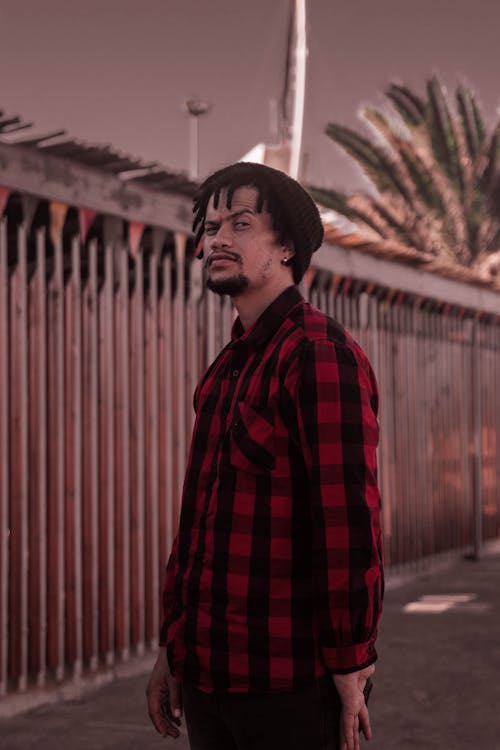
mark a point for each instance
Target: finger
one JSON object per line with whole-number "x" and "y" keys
{"x": 364, "y": 723}
{"x": 168, "y": 714}
{"x": 349, "y": 723}
{"x": 176, "y": 701}
{"x": 162, "y": 724}
{"x": 355, "y": 736}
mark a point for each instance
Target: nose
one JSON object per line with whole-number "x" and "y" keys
{"x": 222, "y": 238}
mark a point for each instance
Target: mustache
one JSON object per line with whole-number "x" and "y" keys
{"x": 227, "y": 253}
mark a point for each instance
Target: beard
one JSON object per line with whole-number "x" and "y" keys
{"x": 232, "y": 286}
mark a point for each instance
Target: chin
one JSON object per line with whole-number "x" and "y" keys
{"x": 231, "y": 285}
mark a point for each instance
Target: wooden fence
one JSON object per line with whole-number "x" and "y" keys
{"x": 104, "y": 328}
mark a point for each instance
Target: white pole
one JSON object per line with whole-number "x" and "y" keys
{"x": 193, "y": 148}
{"x": 300, "y": 87}
{"x": 196, "y": 108}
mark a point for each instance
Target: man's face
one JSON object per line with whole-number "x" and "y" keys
{"x": 240, "y": 247}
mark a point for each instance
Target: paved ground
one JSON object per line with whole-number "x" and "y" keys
{"x": 437, "y": 682}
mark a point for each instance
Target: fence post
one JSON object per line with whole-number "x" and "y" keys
{"x": 4, "y": 457}
{"x": 477, "y": 499}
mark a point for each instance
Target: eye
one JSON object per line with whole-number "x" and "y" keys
{"x": 211, "y": 229}
{"x": 241, "y": 224}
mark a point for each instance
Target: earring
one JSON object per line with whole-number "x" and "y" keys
{"x": 285, "y": 261}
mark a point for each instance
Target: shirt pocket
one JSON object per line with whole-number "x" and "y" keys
{"x": 252, "y": 440}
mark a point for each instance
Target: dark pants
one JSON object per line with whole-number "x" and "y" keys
{"x": 305, "y": 718}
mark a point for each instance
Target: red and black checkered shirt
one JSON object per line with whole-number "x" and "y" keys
{"x": 276, "y": 573}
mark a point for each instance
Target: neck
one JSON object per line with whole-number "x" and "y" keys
{"x": 250, "y": 306}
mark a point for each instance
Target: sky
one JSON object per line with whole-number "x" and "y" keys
{"x": 119, "y": 71}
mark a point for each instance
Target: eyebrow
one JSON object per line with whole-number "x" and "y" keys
{"x": 233, "y": 215}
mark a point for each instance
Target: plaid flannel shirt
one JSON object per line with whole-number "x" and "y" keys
{"x": 275, "y": 576}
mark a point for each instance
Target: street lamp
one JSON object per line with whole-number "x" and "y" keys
{"x": 196, "y": 107}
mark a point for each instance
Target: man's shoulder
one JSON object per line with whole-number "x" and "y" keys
{"x": 315, "y": 326}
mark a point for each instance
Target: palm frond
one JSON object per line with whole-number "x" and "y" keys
{"x": 487, "y": 162}
{"x": 421, "y": 184}
{"x": 480, "y": 126}
{"x": 442, "y": 134}
{"x": 339, "y": 202}
{"x": 471, "y": 120}
{"x": 410, "y": 107}
{"x": 494, "y": 197}
{"x": 375, "y": 163}
{"x": 397, "y": 225}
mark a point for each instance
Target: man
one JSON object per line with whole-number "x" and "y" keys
{"x": 273, "y": 588}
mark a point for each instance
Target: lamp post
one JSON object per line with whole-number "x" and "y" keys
{"x": 196, "y": 107}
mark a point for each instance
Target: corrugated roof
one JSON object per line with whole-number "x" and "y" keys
{"x": 15, "y": 131}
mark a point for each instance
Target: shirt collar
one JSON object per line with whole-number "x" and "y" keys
{"x": 268, "y": 323}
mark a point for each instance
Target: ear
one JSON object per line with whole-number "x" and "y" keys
{"x": 288, "y": 249}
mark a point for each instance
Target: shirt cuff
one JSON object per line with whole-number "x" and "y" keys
{"x": 349, "y": 658}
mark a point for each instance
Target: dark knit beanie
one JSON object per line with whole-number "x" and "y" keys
{"x": 294, "y": 214}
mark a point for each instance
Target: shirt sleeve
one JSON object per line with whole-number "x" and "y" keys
{"x": 168, "y": 592}
{"x": 337, "y": 415}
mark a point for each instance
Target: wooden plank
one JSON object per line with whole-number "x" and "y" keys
{"x": 439, "y": 435}
{"x": 180, "y": 436}
{"x": 76, "y": 344}
{"x": 42, "y": 447}
{"x": 152, "y": 472}
{"x": 194, "y": 365}
{"x": 211, "y": 351}
{"x": 466, "y": 414}
{"x": 421, "y": 436}
{"x": 69, "y": 476}
{"x": 137, "y": 459}
{"x": 106, "y": 459}
{"x": 55, "y": 496}
{"x": 228, "y": 318}
{"x": 477, "y": 409}
{"x": 415, "y": 399}
{"x": 122, "y": 457}
{"x": 386, "y": 450}
{"x": 37, "y": 476}
{"x": 90, "y": 451}
{"x": 4, "y": 458}
{"x": 495, "y": 378}
{"x": 19, "y": 467}
{"x": 463, "y": 366}
{"x": 166, "y": 399}
{"x": 402, "y": 428}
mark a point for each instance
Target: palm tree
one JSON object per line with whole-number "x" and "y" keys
{"x": 435, "y": 171}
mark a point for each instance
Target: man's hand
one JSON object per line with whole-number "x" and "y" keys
{"x": 164, "y": 698}
{"x": 354, "y": 714}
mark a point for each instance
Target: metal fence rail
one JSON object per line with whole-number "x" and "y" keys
{"x": 103, "y": 332}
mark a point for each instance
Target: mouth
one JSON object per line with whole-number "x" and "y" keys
{"x": 219, "y": 259}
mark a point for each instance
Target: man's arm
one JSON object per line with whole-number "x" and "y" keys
{"x": 337, "y": 404}
{"x": 163, "y": 691}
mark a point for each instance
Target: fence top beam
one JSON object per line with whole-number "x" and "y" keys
{"x": 394, "y": 275}
{"x": 50, "y": 177}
